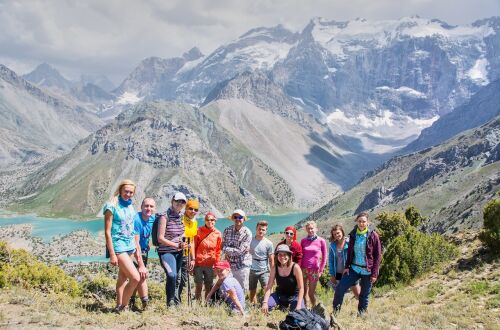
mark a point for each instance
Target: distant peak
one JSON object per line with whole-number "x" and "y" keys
{"x": 193, "y": 54}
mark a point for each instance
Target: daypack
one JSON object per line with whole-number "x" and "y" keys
{"x": 303, "y": 319}
{"x": 154, "y": 230}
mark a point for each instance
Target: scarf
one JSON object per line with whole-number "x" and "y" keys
{"x": 124, "y": 203}
{"x": 312, "y": 238}
{"x": 361, "y": 232}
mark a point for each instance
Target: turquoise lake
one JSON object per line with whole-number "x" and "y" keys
{"x": 48, "y": 228}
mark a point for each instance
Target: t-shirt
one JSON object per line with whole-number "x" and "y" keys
{"x": 190, "y": 227}
{"x": 231, "y": 283}
{"x": 143, "y": 229}
{"x": 122, "y": 226}
{"x": 260, "y": 251}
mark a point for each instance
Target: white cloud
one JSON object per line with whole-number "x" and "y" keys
{"x": 112, "y": 36}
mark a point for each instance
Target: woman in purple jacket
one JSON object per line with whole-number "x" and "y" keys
{"x": 363, "y": 262}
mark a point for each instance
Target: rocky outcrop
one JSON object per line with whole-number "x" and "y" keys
{"x": 164, "y": 147}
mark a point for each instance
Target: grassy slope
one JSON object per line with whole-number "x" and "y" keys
{"x": 465, "y": 294}
{"x": 448, "y": 199}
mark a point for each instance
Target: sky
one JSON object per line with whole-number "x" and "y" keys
{"x": 111, "y": 37}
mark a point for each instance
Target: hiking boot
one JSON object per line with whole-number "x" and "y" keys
{"x": 362, "y": 313}
{"x": 333, "y": 322}
{"x": 144, "y": 302}
{"x": 118, "y": 309}
{"x": 319, "y": 309}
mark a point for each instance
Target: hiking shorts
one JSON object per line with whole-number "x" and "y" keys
{"x": 256, "y": 277}
{"x": 204, "y": 274}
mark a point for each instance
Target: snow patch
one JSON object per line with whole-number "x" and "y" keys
{"x": 190, "y": 65}
{"x": 404, "y": 90}
{"x": 128, "y": 98}
{"x": 262, "y": 55}
{"x": 479, "y": 72}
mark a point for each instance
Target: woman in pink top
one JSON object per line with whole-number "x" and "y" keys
{"x": 314, "y": 256}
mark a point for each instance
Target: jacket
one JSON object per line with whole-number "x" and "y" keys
{"x": 373, "y": 251}
{"x": 332, "y": 257}
{"x": 207, "y": 245}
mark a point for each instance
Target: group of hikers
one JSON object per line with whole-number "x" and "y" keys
{"x": 230, "y": 265}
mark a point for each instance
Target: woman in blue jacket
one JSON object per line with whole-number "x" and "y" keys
{"x": 337, "y": 256}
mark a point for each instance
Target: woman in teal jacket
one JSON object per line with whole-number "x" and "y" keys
{"x": 337, "y": 256}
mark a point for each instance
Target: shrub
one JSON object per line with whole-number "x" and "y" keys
{"x": 490, "y": 235}
{"x": 100, "y": 284}
{"x": 391, "y": 225}
{"x": 18, "y": 267}
{"x": 412, "y": 214}
{"x": 411, "y": 255}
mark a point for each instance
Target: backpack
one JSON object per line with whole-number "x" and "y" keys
{"x": 303, "y": 319}
{"x": 154, "y": 230}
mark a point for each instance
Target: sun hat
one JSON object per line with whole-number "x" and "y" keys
{"x": 240, "y": 212}
{"x": 283, "y": 248}
{"x": 178, "y": 196}
{"x": 193, "y": 203}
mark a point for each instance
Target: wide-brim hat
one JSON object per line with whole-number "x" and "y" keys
{"x": 240, "y": 212}
{"x": 283, "y": 248}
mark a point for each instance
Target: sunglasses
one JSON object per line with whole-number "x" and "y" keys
{"x": 192, "y": 209}
{"x": 238, "y": 217}
{"x": 180, "y": 201}
{"x": 289, "y": 233}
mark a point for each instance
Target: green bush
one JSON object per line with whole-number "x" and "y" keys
{"x": 391, "y": 225}
{"x": 411, "y": 255}
{"x": 490, "y": 235}
{"x": 412, "y": 214}
{"x": 18, "y": 267}
{"x": 100, "y": 284}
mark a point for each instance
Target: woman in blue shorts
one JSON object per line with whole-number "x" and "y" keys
{"x": 119, "y": 231}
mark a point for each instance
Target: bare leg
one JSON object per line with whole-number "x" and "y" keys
{"x": 306, "y": 290}
{"x": 197, "y": 291}
{"x": 127, "y": 267}
{"x": 311, "y": 293}
{"x": 120, "y": 286}
{"x": 253, "y": 298}
{"x": 208, "y": 287}
{"x": 356, "y": 290}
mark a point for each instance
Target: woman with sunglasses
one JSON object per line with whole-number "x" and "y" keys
{"x": 121, "y": 244}
{"x": 291, "y": 241}
{"x": 171, "y": 246}
{"x": 190, "y": 231}
{"x": 207, "y": 244}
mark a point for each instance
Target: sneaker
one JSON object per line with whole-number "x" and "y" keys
{"x": 118, "y": 309}
{"x": 319, "y": 309}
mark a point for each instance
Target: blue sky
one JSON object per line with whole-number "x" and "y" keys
{"x": 113, "y": 36}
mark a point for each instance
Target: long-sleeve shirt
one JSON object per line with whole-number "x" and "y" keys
{"x": 207, "y": 244}
{"x": 314, "y": 254}
{"x": 296, "y": 251}
{"x": 236, "y": 246}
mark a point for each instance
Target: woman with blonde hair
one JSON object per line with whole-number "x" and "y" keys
{"x": 313, "y": 262}
{"x": 121, "y": 244}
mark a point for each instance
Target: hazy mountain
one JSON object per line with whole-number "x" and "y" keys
{"x": 164, "y": 147}
{"x": 450, "y": 183}
{"x": 99, "y": 80}
{"x": 46, "y": 76}
{"x": 482, "y": 107}
{"x": 33, "y": 123}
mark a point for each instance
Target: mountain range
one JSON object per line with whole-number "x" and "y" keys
{"x": 316, "y": 109}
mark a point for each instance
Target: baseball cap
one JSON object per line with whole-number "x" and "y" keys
{"x": 178, "y": 196}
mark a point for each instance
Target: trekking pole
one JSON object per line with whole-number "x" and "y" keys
{"x": 187, "y": 270}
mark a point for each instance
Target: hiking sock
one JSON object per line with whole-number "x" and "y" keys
{"x": 145, "y": 301}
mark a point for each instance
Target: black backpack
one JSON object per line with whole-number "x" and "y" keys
{"x": 303, "y": 319}
{"x": 154, "y": 230}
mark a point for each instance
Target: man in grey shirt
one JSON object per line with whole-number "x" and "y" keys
{"x": 261, "y": 250}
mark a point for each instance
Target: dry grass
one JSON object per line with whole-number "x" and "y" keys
{"x": 465, "y": 295}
